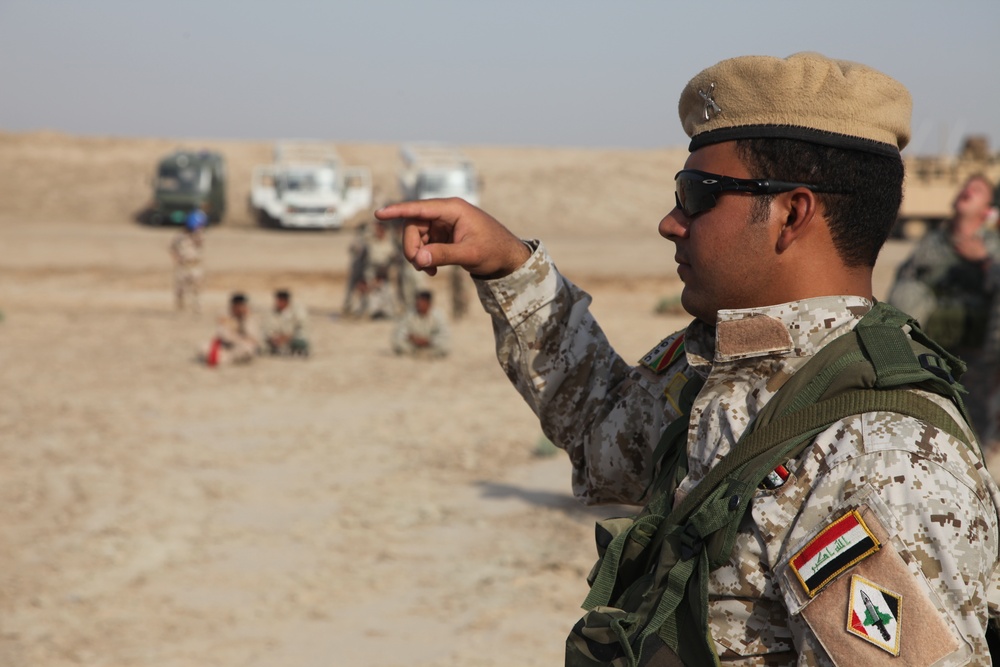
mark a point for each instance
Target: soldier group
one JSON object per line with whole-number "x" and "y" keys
{"x": 240, "y": 336}
{"x": 380, "y": 286}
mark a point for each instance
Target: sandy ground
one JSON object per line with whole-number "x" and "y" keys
{"x": 350, "y": 509}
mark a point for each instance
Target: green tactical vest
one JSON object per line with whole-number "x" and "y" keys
{"x": 648, "y": 603}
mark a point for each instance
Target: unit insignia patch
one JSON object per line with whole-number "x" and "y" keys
{"x": 873, "y": 614}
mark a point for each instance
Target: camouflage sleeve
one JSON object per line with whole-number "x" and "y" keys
{"x": 606, "y": 414}
{"x": 928, "y": 500}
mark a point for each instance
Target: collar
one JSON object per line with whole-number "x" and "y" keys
{"x": 794, "y": 329}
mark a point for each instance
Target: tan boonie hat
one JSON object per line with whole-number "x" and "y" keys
{"x": 806, "y": 96}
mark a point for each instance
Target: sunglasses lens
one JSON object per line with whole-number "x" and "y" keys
{"x": 694, "y": 196}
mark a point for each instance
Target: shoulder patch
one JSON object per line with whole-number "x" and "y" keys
{"x": 884, "y": 612}
{"x": 873, "y": 613}
{"x": 664, "y": 354}
{"x": 843, "y": 543}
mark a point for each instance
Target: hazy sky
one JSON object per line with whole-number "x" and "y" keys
{"x": 546, "y": 72}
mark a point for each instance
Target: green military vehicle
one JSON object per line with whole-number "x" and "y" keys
{"x": 186, "y": 180}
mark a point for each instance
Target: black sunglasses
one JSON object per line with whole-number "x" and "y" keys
{"x": 696, "y": 190}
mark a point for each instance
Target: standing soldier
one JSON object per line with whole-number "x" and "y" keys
{"x": 813, "y": 493}
{"x": 949, "y": 284}
{"x": 186, "y": 250}
{"x": 381, "y": 257}
{"x": 411, "y": 283}
{"x": 459, "y": 293}
{"x": 357, "y": 254}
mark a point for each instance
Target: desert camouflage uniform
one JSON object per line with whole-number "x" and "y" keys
{"x": 382, "y": 255}
{"x": 235, "y": 341}
{"x": 411, "y": 282}
{"x": 929, "y": 492}
{"x": 936, "y": 276}
{"x": 290, "y": 322}
{"x": 357, "y": 251}
{"x": 187, "y": 270}
{"x": 431, "y": 326}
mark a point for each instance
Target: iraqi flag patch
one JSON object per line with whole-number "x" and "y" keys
{"x": 874, "y": 614}
{"x": 843, "y": 543}
{"x": 660, "y": 358}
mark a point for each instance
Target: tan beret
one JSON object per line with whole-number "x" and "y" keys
{"x": 806, "y": 96}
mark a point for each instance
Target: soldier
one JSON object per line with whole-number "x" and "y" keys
{"x": 411, "y": 283}
{"x": 948, "y": 285}
{"x": 237, "y": 337}
{"x": 867, "y": 537}
{"x": 285, "y": 332}
{"x": 459, "y": 294}
{"x": 381, "y": 257}
{"x": 422, "y": 331}
{"x": 354, "y": 296}
{"x": 186, "y": 249}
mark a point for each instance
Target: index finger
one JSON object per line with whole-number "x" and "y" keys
{"x": 445, "y": 210}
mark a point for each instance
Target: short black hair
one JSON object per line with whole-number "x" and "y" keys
{"x": 860, "y": 221}
{"x": 426, "y": 294}
{"x": 283, "y": 294}
{"x": 237, "y": 298}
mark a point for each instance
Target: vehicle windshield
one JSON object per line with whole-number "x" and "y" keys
{"x": 445, "y": 181}
{"x": 185, "y": 180}
{"x": 307, "y": 180}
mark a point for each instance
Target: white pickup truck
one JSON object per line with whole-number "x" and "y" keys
{"x": 437, "y": 170}
{"x": 307, "y": 186}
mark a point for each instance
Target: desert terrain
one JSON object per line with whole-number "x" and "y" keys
{"x": 354, "y": 508}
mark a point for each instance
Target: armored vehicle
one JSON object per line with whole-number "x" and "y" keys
{"x": 307, "y": 186}
{"x": 186, "y": 180}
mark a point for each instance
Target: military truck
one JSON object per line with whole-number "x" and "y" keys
{"x": 186, "y": 180}
{"x": 437, "y": 170}
{"x": 932, "y": 182}
{"x": 307, "y": 186}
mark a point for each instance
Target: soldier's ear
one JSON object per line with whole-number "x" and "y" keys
{"x": 798, "y": 209}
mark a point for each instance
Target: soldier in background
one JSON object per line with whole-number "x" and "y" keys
{"x": 354, "y": 296}
{"x": 382, "y": 257}
{"x": 422, "y": 331}
{"x": 186, "y": 250}
{"x": 459, "y": 293}
{"x": 237, "y": 336}
{"x": 949, "y": 283}
{"x": 411, "y": 283}
{"x": 285, "y": 331}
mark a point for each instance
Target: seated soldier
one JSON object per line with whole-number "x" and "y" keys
{"x": 237, "y": 338}
{"x": 286, "y": 327}
{"x": 421, "y": 331}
